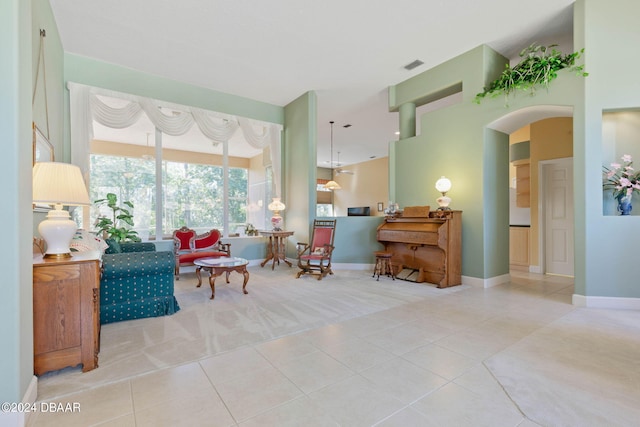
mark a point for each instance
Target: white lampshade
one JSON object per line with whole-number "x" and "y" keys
{"x": 332, "y": 185}
{"x": 58, "y": 184}
{"x": 443, "y": 185}
{"x": 276, "y": 205}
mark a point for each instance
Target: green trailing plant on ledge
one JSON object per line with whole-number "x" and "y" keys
{"x": 538, "y": 67}
{"x": 116, "y": 228}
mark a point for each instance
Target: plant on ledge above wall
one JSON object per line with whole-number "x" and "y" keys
{"x": 111, "y": 228}
{"x": 538, "y": 67}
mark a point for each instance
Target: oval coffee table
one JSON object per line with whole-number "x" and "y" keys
{"x": 218, "y": 266}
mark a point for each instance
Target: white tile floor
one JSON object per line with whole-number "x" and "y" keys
{"x": 351, "y": 351}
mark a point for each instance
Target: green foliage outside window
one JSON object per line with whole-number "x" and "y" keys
{"x": 192, "y": 193}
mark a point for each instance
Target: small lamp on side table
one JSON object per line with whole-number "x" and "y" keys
{"x": 276, "y": 220}
{"x": 58, "y": 184}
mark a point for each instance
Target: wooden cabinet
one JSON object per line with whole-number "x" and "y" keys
{"x": 519, "y": 248}
{"x": 523, "y": 173}
{"x": 66, "y": 318}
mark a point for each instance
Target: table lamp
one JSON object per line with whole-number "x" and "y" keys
{"x": 276, "y": 220}
{"x": 443, "y": 185}
{"x": 58, "y": 184}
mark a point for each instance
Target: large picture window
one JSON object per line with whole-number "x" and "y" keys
{"x": 179, "y": 165}
{"x": 192, "y": 193}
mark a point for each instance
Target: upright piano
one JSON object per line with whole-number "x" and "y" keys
{"x": 429, "y": 248}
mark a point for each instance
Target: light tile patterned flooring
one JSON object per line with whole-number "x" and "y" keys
{"x": 353, "y": 351}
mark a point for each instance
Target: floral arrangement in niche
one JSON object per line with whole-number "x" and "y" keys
{"x": 621, "y": 178}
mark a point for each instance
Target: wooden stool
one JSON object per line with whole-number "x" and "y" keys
{"x": 383, "y": 265}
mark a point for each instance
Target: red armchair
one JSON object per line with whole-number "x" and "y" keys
{"x": 189, "y": 246}
{"x": 315, "y": 258}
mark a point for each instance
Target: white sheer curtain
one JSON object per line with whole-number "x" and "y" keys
{"x": 85, "y": 106}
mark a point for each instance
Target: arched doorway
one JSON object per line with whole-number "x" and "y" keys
{"x": 550, "y": 236}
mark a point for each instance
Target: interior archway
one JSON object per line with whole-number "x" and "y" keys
{"x": 540, "y": 246}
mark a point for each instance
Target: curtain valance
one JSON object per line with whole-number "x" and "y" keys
{"x": 86, "y": 106}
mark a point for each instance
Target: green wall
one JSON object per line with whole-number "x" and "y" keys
{"x": 608, "y": 244}
{"x": 299, "y": 167}
{"x": 356, "y": 240}
{"x": 16, "y": 315}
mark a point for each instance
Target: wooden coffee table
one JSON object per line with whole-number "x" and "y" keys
{"x": 218, "y": 266}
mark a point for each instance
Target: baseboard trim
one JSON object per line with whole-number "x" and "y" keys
{"x": 617, "y": 303}
{"x": 21, "y": 419}
{"x": 485, "y": 283}
{"x": 30, "y": 396}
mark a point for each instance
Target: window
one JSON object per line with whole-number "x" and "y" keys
{"x": 192, "y": 184}
{"x": 194, "y": 169}
{"x": 192, "y": 193}
{"x": 193, "y": 197}
{"x": 131, "y": 180}
{"x": 324, "y": 205}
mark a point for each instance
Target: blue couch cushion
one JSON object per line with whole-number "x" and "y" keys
{"x": 136, "y": 285}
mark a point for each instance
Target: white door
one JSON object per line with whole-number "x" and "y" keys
{"x": 558, "y": 217}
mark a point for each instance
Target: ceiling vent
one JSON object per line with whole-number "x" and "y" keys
{"x": 413, "y": 65}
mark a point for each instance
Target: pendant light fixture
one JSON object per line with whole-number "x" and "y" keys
{"x": 332, "y": 185}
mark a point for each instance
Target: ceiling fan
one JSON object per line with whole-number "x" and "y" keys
{"x": 339, "y": 170}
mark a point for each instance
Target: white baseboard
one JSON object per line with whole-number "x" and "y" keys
{"x": 21, "y": 419}
{"x": 617, "y": 303}
{"x": 485, "y": 283}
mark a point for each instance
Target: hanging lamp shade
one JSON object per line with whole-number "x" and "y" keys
{"x": 332, "y": 185}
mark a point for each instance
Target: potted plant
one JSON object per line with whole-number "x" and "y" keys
{"x": 116, "y": 227}
{"x": 623, "y": 181}
{"x": 538, "y": 67}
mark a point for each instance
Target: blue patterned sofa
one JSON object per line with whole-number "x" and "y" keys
{"x": 136, "y": 282}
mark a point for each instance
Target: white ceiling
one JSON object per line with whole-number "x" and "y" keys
{"x": 348, "y": 51}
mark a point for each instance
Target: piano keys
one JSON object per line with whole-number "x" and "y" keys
{"x": 429, "y": 249}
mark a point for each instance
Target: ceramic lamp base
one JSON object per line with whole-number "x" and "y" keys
{"x": 276, "y": 222}
{"x": 57, "y": 230}
{"x": 443, "y": 202}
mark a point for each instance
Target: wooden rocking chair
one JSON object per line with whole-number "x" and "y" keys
{"x": 315, "y": 258}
